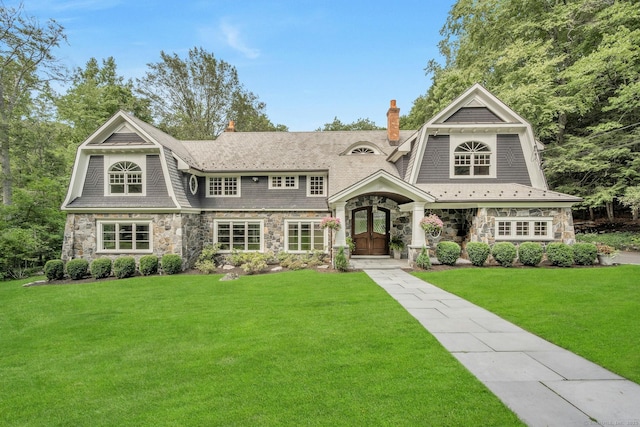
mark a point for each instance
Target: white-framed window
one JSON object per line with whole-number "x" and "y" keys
{"x": 239, "y": 234}
{"x": 316, "y": 185}
{"x": 124, "y": 236}
{"x": 223, "y": 186}
{"x": 193, "y": 184}
{"x": 304, "y": 236}
{"x": 524, "y": 229}
{"x": 472, "y": 158}
{"x": 125, "y": 178}
{"x": 283, "y": 182}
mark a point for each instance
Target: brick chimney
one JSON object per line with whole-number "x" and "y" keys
{"x": 393, "y": 124}
{"x": 231, "y": 127}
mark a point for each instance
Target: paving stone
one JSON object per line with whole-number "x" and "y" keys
{"x": 452, "y": 325}
{"x": 461, "y": 342}
{"x": 573, "y": 367}
{"x": 496, "y": 324}
{"x": 513, "y": 366}
{"x": 426, "y": 313}
{"x": 515, "y": 341}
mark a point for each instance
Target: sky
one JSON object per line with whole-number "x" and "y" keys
{"x": 308, "y": 61}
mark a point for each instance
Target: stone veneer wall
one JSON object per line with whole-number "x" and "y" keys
{"x": 483, "y": 229}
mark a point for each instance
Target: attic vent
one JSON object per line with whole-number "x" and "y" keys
{"x": 363, "y": 150}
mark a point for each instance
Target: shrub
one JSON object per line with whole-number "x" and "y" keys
{"x": 504, "y": 253}
{"x": 148, "y": 265}
{"x": 585, "y": 253}
{"x": 530, "y": 253}
{"x": 254, "y": 262}
{"x": 77, "y": 268}
{"x": 237, "y": 258}
{"x": 560, "y": 254}
{"x": 423, "y": 261}
{"x": 448, "y": 252}
{"x": 101, "y": 268}
{"x": 478, "y": 253}
{"x": 207, "y": 261}
{"x": 54, "y": 269}
{"x": 171, "y": 263}
{"x": 341, "y": 262}
{"x": 124, "y": 267}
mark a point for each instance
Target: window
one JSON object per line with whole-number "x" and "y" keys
{"x": 316, "y": 185}
{"x": 116, "y": 236}
{"x": 472, "y": 159}
{"x": 523, "y": 229}
{"x": 238, "y": 234}
{"x": 193, "y": 184}
{"x": 224, "y": 186}
{"x": 125, "y": 178}
{"x": 363, "y": 150}
{"x": 288, "y": 182}
{"x": 302, "y": 236}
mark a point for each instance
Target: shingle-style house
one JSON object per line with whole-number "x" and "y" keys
{"x": 476, "y": 164}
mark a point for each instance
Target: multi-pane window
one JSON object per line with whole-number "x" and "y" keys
{"x": 224, "y": 186}
{"x": 316, "y": 185}
{"x": 304, "y": 236}
{"x": 239, "y": 235}
{"x": 289, "y": 182}
{"x": 125, "y": 178}
{"x": 472, "y": 158}
{"x": 523, "y": 229}
{"x": 125, "y": 236}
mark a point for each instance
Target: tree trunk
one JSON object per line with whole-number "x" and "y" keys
{"x": 5, "y": 166}
{"x": 634, "y": 213}
{"x": 609, "y": 206}
{"x": 562, "y": 125}
{"x": 592, "y": 215}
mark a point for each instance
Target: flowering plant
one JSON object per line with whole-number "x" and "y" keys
{"x": 606, "y": 250}
{"x": 431, "y": 224}
{"x": 330, "y": 222}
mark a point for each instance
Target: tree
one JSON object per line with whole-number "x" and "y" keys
{"x": 26, "y": 64}
{"x": 631, "y": 199}
{"x": 196, "y": 98}
{"x": 360, "y": 124}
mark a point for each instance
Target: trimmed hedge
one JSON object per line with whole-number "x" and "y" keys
{"x": 124, "y": 267}
{"x": 77, "y": 268}
{"x": 54, "y": 269}
{"x": 448, "y": 253}
{"x": 101, "y": 268}
{"x": 149, "y": 265}
{"x": 530, "y": 253}
{"x": 423, "y": 261}
{"x": 171, "y": 263}
{"x": 504, "y": 253}
{"x": 478, "y": 253}
{"x": 560, "y": 254}
{"x": 585, "y": 253}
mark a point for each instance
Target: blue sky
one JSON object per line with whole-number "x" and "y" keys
{"x": 309, "y": 61}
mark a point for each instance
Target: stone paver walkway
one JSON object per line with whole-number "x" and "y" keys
{"x": 542, "y": 383}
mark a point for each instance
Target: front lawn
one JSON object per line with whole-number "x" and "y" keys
{"x": 297, "y": 348}
{"x": 594, "y": 312}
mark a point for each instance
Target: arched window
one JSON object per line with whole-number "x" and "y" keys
{"x": 472, "y": 158}
{"x": 362, "y": 150}
{"x": 125, "y": 178}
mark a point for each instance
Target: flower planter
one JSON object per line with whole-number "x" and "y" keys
{"x": 605, "y": 259}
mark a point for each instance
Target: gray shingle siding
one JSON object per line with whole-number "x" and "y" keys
{"x": 156, "y": 186}
{"x": 474, "y": 115}
{"x": 176, "y": 178}
{"x": 94, "y": 181}
{"x": 511, "y": 164}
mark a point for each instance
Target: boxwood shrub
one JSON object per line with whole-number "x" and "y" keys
{"x": 124, "y": 266}
{"x": 585, "y": 253}
{"x": 54, "y": 269}
{"x": 530, "y": 253}
{"x": 148, "y": 265}
{"x": 423, "y": 261}
{"x": 101, "y": 268}
{"x": 448, "y": 253}
{"x": 560, "y": 254}
{"x": 478, "y": 253}
{"x": 504, "y": 253}
{"x": 77, "y": 268}
{"x": 171, "y": 263}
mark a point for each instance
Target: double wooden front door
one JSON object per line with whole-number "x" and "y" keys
{"x": 369, "y": 230}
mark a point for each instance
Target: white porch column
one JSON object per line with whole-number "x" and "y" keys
{"x": 417, "y": 233}
{"x": 340, "y": 234}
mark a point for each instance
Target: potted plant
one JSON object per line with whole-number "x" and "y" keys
{"x": 333, "y": 224}
{"x": 432, "y": 225}
{"x": 396, "y": 245}
{"x": 606, "y": 254}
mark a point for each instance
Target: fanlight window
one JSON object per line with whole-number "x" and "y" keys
{"x": 362, "y": 150}
{"x": 125, "y": 178}
{"x": 472, "y": 158}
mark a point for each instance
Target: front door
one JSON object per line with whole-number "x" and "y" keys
{"x": 369, "y": 230}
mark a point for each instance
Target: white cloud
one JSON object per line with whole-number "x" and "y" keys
{"x": 233, "y": 38}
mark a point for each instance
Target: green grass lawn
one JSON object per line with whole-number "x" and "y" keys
{"x": 594, "y": 312}
{"x": 298, "y": 348}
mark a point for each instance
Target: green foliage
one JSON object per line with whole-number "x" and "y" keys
{"x": 584, "y": 253}
{"x": 101, "y": 268}
{"x": 360, "y": 124}
{"x": 530, "y": 253}
{"x": 254, "y": 262}
{"x": 77, "y": 268}
{"x": 478, "y": 253}
{"x": 54, "y": 269}
{"x": 341, "y": 262}
{"x": 504, "y": 253}
{"x": 171, "y": 263}
{"x": 124, "y": 266}
{"x": 351, "y": 244}
{"x": 423, "y": 261}
{"x": 621, "y": 240}
{"x": 448, "y": 253}
{"x": 560, "y": 254}
{"x": 396, "y": 243}
{"x": 148, "y": 265}
{"x": 208, "y": 259}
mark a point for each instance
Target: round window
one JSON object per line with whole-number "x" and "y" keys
{"x": 193, "y": 184}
